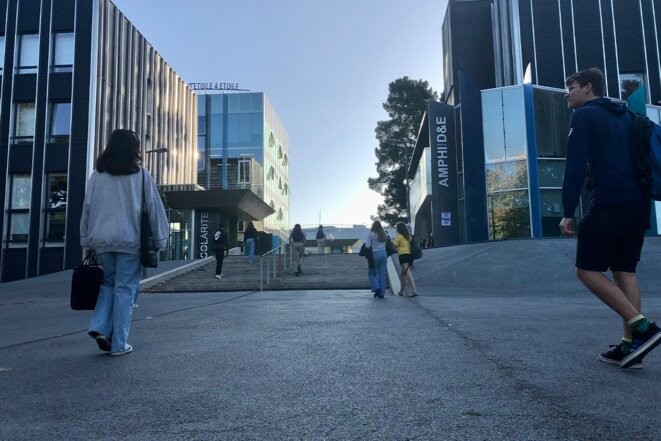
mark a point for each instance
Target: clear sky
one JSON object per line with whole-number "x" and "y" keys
{"x": 325, "y": 67}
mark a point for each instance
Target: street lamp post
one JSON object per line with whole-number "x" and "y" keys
{"x": 157, "y": 175}
{"x": 158, "y": 151}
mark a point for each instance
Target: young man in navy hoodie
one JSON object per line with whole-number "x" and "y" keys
{"x": 611, "y": 234}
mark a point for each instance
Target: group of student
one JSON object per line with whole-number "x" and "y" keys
{"x": 378, "y": 247}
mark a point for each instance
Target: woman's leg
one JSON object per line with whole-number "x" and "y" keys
{"x": 101, "y": 321}
{"x": 373, "y": 276}
{"x": 403, "y": 277}
{"x": 381, "y": 261}
{"x": 411, "y": 280}
{"x": 251, "y": 249}
{"x": 127, "y": 279}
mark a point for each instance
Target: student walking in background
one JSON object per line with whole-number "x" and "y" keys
{"x": 321, "y": 240}
{"x": 611, "y": 234}
{"x": 220, "y": 244}
{"x": 249, "y": 239}
{"x": 110, "y": 228}
{"x": 297, "y": 241}
{"x": 376, "y": 241}
{"x": 403, "y": 244}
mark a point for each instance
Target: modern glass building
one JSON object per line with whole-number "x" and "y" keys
{"x": 71, "y": 72}
{"x": 244, "y": 147}
{"x": 489, "y": 161}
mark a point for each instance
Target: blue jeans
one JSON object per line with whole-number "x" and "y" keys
{"x": 112, "y": 315}
{"x": 250, "y": 243}
{"x": 378, "y": 275}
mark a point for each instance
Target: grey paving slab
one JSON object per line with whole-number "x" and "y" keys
{"x": 513, "y": 361}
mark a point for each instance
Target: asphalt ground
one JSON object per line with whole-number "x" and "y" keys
{"x": 501, "y": 344}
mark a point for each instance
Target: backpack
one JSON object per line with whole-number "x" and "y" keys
{"x": 645, "y": 142}
{"x": 416, "y": 252}
{"x": 219, "y": 239}
{"x": 298, "y": 236}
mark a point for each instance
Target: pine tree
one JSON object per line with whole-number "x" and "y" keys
{"x": 406, "y": 104}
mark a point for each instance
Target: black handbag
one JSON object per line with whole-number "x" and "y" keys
{"x": 390, "y": 247}
{"x": 85, "y": 284}
{"x": 148, "y": 255}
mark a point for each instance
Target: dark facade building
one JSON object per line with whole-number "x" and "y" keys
{"x": 489, "y": 162}
{"x": 71, "y": 72}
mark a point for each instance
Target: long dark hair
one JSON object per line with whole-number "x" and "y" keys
{"x": 250, "y": 227}
{"x": 377, "y": 229}
{"x": 403, "y": 230}
{"x": 122, "y": 154}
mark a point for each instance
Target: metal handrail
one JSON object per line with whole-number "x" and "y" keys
{"x": 269, "y": 261}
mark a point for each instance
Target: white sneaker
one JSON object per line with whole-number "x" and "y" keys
{"x": 128, "y": 350}
{"x": 218, "y": 276}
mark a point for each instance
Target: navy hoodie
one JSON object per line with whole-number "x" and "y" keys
{"x": 598, "y": 148}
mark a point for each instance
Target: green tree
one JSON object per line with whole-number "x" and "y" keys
{"x": 406, "y": 103}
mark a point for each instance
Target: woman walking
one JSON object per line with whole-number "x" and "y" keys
{"x": 297, "y": 241}
{"x": 403, "y": 244}
{"x": 249, "y": 238}
{"x": 110, "y": 228}
{"x": 376, "y": 241}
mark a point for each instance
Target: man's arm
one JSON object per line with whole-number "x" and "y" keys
{"x": 578, "y": 147}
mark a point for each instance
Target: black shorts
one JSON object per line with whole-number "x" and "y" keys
{"x": 406, "y": 258}
{"x": 612, "y": 238}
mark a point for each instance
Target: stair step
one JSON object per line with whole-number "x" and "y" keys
{"x": 331, "y": 271}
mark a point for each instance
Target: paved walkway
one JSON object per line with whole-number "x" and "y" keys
{"x": 501, "y": 344}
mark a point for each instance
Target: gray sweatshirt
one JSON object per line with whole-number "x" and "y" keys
{"x": 111, "y": 213}
{"x": 373, "y": 242}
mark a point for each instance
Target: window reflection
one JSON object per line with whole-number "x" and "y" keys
{"x": 514, "y": 120}
{"x": 492, "y": 116}
{"x": 506, "y": 176}
{"x": 509, "y": 215}
{"x": 551, "y": 172}
{"x": 551, "y": 123}
{"x": 551, "y": 204}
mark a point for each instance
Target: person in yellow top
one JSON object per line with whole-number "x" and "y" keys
{"x": 403, "y": 244}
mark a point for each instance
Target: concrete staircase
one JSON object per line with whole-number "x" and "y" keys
{"x": 330, "y": 271}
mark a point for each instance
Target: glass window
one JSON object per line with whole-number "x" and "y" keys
{"x": 2, "y": 53}
{"x": 19, "y": 210}
{"x": 201, "y": 105}
{"x": 201, "y": 125}
{"x": 57, "y": 191}
{"x": 216, "y": 104}
{"x": 629, "y": 83}
{"x": 514, "y": 119}
{"x": 551, "y": 123}
{"x": 28, "y": 53}
{"x": 492, "y": 125}
{"x": 551, "y": 172}
{"x": 244, "y": 171}
{"x": 56, "y": 208}
{"x": 551, "y": 212}
{"x": 55, "y": 226}
{"x": 509, "y": 215}
{"x": 506, "y": 176}
{"x": 60, "y": 124}
{"x": 19, "y": 226}
{"x": 215, "y": 130}
{"x": 62, "y": 52}
{"x": 24, "y": 124}
{"x": 21, "y": 189}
